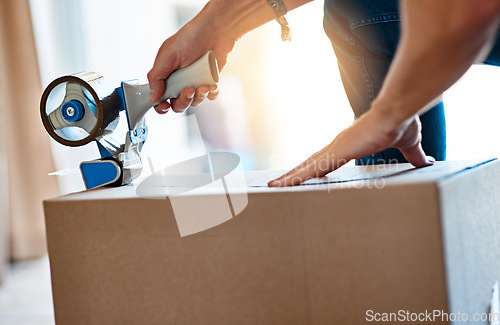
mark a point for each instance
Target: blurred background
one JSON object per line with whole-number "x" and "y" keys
{"x": 279, "y": 102}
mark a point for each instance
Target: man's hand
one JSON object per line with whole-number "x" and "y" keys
{"x": 217, "y": 27}
{"x": 440, "y": 40}
{"x": 371, "y": 133}
{"x": 186, "y": 46}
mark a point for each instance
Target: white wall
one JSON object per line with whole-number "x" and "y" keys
{"x": 473, "y": 114}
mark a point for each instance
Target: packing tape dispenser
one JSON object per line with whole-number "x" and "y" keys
{"x": 82, "y": 108}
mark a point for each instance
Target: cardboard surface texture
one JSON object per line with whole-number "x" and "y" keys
{"x": 383, "y": 239}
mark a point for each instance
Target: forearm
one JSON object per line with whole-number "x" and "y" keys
{"x": 439, "y": 42}
{"x": 238, "y": 17}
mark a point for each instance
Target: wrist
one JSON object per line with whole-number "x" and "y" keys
{"x": 390, "y": 119}
{"x": 390, "y": 112}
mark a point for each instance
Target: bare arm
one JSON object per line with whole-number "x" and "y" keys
{"x": 440, "y": 40}
{"x": 217, "y": 27}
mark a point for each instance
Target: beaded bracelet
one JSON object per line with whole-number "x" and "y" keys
{"x": 280, "y": 11}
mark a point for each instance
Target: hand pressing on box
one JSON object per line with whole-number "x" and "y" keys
{"x": 372, "y": 132}
{"x": 439, "y": 41}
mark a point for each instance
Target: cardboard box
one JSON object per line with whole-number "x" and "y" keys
{"x": 412, "y": 243}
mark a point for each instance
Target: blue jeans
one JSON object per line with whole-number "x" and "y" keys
{"x": 364, "y": 35}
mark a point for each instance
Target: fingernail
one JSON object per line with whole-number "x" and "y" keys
{"x": 164, "y": 110}
{"x": 430, "y": 159}
{"x": 273, "y": 183}
{"x": 190, "y": 95}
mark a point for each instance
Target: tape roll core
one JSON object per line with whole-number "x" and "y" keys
{"x": 47, "y": 124}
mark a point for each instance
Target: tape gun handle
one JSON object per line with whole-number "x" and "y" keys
{"x": 202, "y": 72}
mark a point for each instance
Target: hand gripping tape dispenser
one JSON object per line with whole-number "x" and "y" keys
{"x": 81, "y": 108}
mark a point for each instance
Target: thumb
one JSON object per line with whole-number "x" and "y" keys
{"x": 157, "y": 83}
{"x": 416, "y": 156}
{"x": 221, "y": 61}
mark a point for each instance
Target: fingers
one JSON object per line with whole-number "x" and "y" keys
{"x": 317, "y": 165}
{"x": 213, "y": 93}
{"x": 185, "y": 100}
{"x": 162, "y": 108}
{"x": 157, "y": 87}
{"x": 189, "y": 97}
{"x": 165, "y": 63}
{"x": 156, "y": 78}
{"x": 202, "y": 93}
{"x": 411, "y": 147}
{"x": 416, "y": 156}
{"x": 200, "y": 96}
{"x": 294, "y": 177}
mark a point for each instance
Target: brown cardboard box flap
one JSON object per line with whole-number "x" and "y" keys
{"x": 316, "y": 254}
